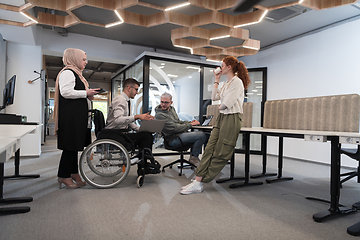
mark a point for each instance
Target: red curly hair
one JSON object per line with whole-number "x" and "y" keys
{"x": 239, "y": 69}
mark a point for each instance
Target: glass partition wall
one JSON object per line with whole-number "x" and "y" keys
{"x": 190, "y": 82}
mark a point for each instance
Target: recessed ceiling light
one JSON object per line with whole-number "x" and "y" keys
{"x": 29, "y": 17}
{"x": 225, "y": 36}
{"x": 171, "y": 75}
{"x": 196, "y": 68}
{"x": 246, "y": 24}
{"x": 191, "y": 50}
{"x": 177, "y": 6}
{"x": 250, "y": 47}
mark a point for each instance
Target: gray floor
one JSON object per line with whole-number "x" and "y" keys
{"x": 158, "y": 211}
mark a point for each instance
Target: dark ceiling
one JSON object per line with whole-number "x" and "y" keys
{"x": 94, "y": 72}
{"x": 278, "y": 26}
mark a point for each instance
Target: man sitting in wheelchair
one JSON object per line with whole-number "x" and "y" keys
{"x": 120, "y": 117}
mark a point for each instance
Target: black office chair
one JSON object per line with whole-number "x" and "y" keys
{"x": 354, "y": 154}
{"x": 183, "y": 147}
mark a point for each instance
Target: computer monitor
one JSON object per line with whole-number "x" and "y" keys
{"x": 9, "y": 92}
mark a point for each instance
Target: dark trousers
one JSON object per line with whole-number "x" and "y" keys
{"x": 142, "y": 139}
{"x": 68, "y": 164}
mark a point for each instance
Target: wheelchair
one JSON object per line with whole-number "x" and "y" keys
{"x": 106, "y": 162}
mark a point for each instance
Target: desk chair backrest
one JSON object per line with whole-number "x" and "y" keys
{"x": 246, "y": 116}
{"x": 338, "y": 113}
{"x": 98, "y": 119}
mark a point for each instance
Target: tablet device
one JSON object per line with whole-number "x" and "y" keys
{"x": 152, "y": 126}
{"x": 207, "y": 120}
{"x": 100, "y": 91}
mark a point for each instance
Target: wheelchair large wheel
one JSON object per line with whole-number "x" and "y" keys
{"x": 104, "y": 163}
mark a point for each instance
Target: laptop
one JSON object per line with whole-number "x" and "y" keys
{"x": 207, "y": 120}
{"x": 152, "y": 126}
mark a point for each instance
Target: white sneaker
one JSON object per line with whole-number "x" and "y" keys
{"x": 189, "y": 185}
{"x": 196, "y": 187}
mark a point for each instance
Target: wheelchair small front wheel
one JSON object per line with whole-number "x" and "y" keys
{"x": 140, "y": 181}
{"x": 104, "y": 163}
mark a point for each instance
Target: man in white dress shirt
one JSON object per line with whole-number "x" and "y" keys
{"x": 119, "y": 116}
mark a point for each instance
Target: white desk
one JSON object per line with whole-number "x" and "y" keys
{"x": 317, "y": 136}
{"x": 18, "y": 131}
{"x": 7, "y": 146}
{"x": 10, "y": 136}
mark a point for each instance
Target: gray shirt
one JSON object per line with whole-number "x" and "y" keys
{"x": 118, "y": 116}
{"x": 173, "y": 125}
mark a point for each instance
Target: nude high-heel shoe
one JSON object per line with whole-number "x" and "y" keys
{"x": 66, "y": 183}
{"x": 77, "y": 179}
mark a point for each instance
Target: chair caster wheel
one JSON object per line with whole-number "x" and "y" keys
{"x": 140, "y": 181}
{"x": 180, "y": 174}
{"x": 163, "y": 170}
{"x": 170, "y": 166}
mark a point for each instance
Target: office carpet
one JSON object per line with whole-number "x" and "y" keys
{"x": 158, "y": 211}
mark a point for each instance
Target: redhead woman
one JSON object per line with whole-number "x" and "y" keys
{"x": 72, "y": 102}
{"x": 226, "y": 130}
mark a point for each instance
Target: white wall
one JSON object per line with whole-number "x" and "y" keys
{"x": 22, "y": 61}
{"x": 96, "y": 48}
{"x": 188, "y": 94}
{"x": 325, "y": 63}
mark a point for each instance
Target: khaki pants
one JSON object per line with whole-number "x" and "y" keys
{"x": 220, "y": 147}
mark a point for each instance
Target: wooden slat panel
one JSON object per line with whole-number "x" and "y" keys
{"x": 208, "y": 4}
{"x": 248, "y": 17}
{"x": 12, "y": 23}
{"x": 54, "y": 4}
{"x": 155, "y": 19}
{"x": 133, "y": 18}
{"x": 178, "y": 18}
{"x": 105, "y": 4}
{"x": 223, "y": 19}
{"x": 202, "y": 19}
{"x": 9, "y": 8}
{"x": 71, "y": 20}
{"x": 73, "y": 4}
{"x": 51, "y": 19}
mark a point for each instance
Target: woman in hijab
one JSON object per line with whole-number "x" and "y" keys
{"x": 72, "y": 101}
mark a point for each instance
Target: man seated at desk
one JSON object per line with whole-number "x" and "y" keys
{"x": 119, "y": 116}
{"x": 175, "y": 128}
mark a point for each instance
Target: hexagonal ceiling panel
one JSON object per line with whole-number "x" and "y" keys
{"x": 205, "y": 27}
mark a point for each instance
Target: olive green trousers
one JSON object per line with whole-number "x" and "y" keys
{"x": 220, "y": 146}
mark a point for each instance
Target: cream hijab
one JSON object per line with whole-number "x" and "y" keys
{"x": 72, "y": 59}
